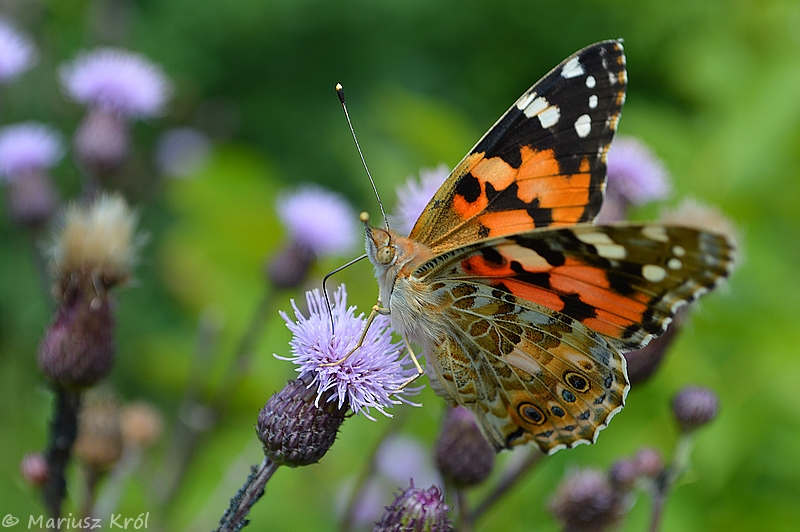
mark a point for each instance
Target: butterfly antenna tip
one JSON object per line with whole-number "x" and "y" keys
{"x": 340, "y": 94}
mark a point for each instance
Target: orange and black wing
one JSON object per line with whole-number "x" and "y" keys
{"x": 624, "y": 281}
{"x": 542, "y": 164}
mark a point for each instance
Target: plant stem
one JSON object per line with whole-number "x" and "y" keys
{"x": 367, "y": 471}
{"x": 513, "y": 474}
{"x": 63, "y": 431}
{"x": 235, "y": 517}
{"x": 466, "y": 519}
{"x": 666, "y": 480}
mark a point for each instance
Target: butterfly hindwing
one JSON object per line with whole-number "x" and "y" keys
{"x": 543, "y": 163}
{"x": 527, "y": 372}
{"x": 624, "y": 281}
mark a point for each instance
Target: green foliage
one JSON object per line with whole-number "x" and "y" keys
{"x": 713, "y": 88}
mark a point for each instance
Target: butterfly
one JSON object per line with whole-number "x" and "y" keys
{"x": 522, "y": 305}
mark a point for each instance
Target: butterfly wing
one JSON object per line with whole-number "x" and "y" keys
{"x": 543, "y": 163}
{"x": 527, "y": 372}
{"x": 542, "y": 317}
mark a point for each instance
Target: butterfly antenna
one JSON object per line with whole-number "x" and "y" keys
{"x": 325, "y": 290}
{"x": 340, "y": 93}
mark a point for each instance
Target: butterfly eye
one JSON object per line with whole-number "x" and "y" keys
{"x": 530, "y": 413}
{"x": 385, "y": 254}
{"x": 577, "y": 381}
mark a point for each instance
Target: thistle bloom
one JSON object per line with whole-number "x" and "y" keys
{"x": 17, "y": 53}
{"x": 320, "y": 221}
{"x": 416, "y": 510}
{"x": 635, "y": 176}
{"x": 370, "y": 377}
{"x": 414, "y": 195}
{"x": 28, "y": 147}
{"x": 116, "y": 80}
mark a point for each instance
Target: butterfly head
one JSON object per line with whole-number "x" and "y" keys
{"x": 380, "y": 248}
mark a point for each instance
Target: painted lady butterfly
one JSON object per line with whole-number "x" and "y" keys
{"x": 522, "y": 305}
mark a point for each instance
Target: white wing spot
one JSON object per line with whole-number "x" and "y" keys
{"x": 674, "y": 264}
{"x": 678, "y": 251}
{"x": 612, "y": 79}
{"x": 525, "y": 100}
{"x": 653, "y": 273}
{"x": 591, "y": 82}
{"x": 548, "y": 114}
{"x": 549, "y": 117}
{"x": 572, "y": 68}
{"x": 605, "y": 247}
{"x": 583, "y": 126}
{"x": 592, "y": 101}
{"x": 656, "y": 232}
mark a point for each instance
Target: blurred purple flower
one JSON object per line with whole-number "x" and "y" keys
{"x": 414, "y": 195}
{"x": 28, "y": 147}
{"x": 182, "y": 152}
{"x": 372, "y": 374}
{"x": 116, "y": 80}
{"x": 319, "y": 220}
{"x": 17, "y": 52}
{"x": 635, "y": 172}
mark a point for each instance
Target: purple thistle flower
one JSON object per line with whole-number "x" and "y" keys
{"x": 414, "y": 195}
{"x": 116, "y": 80}
{"x": 635, "y": 172}
{"x": 28, "y": 147}
{"x": 17, "y": 52}
{"x": 370, "y": 376}
{"x": 318, "y": 220}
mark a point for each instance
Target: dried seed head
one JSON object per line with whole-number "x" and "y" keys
{"x": 462, "y": 454}
{"x": 294, "y": 430}
{"x": 141, "y": 424}
{"x": 694, "y": 406}
{"x": 99, "y": 442}
{"x": 416, "y": 510}
{"x": 96, "y": 246}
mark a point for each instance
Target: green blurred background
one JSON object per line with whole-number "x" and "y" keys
{"x": 714, "y": 89}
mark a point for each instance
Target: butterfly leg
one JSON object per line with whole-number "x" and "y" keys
{"x": 377, "y": 309}
{"x": 420, "y": 371}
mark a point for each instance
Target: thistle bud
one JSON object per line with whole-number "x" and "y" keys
{"x": 623, "y": 474}
{"x": 695, "y": 406}
{"x": 587, "y": 502}
{"x": 33, "y": 469}
{"x": 462, "y": 454}
{"x": 416, "y": 510}
{"x": 294, "y": 430}
{"x": 78, "y": 348}
{"x": 649, "y": 462}
{"x": 102, "y": 141}
{"x": 289, "y": 267}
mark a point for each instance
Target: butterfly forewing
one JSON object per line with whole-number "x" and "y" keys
{"x": 623, "y": 281}
{"x": 542, "y": 163}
